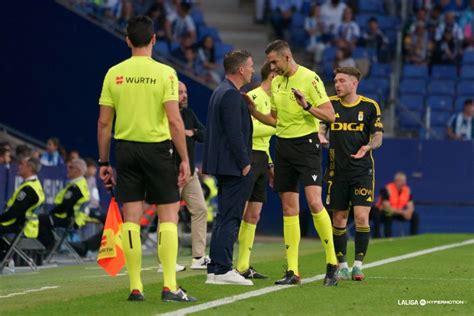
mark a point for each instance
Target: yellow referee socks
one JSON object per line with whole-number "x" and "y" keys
{"x": 292, "y": 235}
{"x": 132, "y": 249}
{"x": 246, "y": 237}
{"x": 168, "y": 253}
{"x": 323, "y": 226}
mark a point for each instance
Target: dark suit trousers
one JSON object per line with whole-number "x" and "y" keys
{"x": 233, "y": 193}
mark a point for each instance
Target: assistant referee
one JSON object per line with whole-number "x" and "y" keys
{"x": 142, "y": 94}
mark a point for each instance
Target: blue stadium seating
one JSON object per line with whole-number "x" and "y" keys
{"x": 161, "y": 47}
{"x": 440, "y": 118}
{"x": 298, "y": 35}
{"x": 441, "y": 87}
{"x": 380, "y": 70}
{"x": 329, "y": 54}
{"x": 412, "y": 102}
{"x": 415, "y": 71}
{"x": 375, "y": 85}
{"x": 440, "y": 103}
{"x": 204, "y": 31}
{"x": 409, "y": 120}
{"x": 468, "y": 57}
{"x": 444, "y": 72}
{"x": 465, "y": 87}
{"x": 414, "y": 86}
{"x": 459, "y": 103}
{"x": 375, "y": 6}
{"x": 374, "y": 96}
{"x": 467, "y": 72}
{"x": 221, "y": 49}
{"x": 197, "y": 17}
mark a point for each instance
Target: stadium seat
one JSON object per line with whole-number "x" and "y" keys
{"x": 362, "y": 18}
{"x": 375, "y": 6}
{"x": 298, "y": 35}
{"x": 445, "y": 87}
{"x": 380, "y": 70}
{"x": 440, "y": 103}
{"x": 444, "y": 72}
{"x": 329, "y": 54}
{"x": 410, "y": 120}
{"x": 468, "y": 57}
{"x": 412, "y": 102}
{"x": 197, "y": 16}
{"x": 161, "y": 47}
{"x": 204, "y": 31}
{"x": 467, "y": 72}
{"x": 459, "y": 103}
{"x": 439, "y": 118}
{"x": 221, "y": 49}
{"x": 374, "y": 96}
{"x": 465, "y": 87}
{"x": 415, "y": 71}
{"x": 413, "y": 86}
{"x": 375, "y": 85}
{"x": 387, "y": 22}
{"x": 438, "y": 132}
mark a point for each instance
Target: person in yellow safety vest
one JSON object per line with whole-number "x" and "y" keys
{"x": 209, "y": 188}
{"x": 69, "y": 204}
{"x": 22, "y": 204}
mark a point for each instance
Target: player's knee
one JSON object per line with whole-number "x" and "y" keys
{"x": 361, "y": 220}
{"x": 316, "y": 205}
{"x": 290, "y": 211}
{"x": 339, "y": 219}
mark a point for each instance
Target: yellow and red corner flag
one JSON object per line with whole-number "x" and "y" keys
{"x": 110, "y": 256}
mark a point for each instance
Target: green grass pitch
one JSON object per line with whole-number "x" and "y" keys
{"x": 388, "y": 289}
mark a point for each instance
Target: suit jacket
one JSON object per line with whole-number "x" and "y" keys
{"x": 228, "y": 143}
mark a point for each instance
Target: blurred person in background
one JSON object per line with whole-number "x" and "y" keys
{"x": 52, "y": 156}
{"x": 461, "y": 125}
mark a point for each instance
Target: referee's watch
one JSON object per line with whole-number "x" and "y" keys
{"x": 308, "y": 106}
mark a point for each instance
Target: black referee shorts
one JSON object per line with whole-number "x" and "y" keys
{"x": 260, "y": 177}
{"x": 346, "y": 191}
{"x": 146, "y": 171}
{"x": 297, "y": 159}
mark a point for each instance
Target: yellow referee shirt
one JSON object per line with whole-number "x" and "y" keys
{"x": 261, "y": 132}
{"x": 292, "y": 120}
{"x": 137, "y": 89}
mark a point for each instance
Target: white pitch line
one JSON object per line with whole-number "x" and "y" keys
{"x": 118, "y": 274}
{"x": 421, "y": 279}
{"x": 274, "y": 288}
{"x": 44, "y": 288}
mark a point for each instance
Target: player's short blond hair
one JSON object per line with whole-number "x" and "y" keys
{"x": 351, "y": 71}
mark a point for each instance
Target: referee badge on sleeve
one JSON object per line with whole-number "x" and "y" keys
{"x": 360, "y": 117}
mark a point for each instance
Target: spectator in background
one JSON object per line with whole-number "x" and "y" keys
{"x": 260, "y": 11}
{"x": 396, "y": 203}
{"x": 374, "y": 38}
{"x": 313, "y": 25}
{"x": 467, "y": 24}
{"x": 141, "y": 7}
{"x": 418, "y": 45}
{"x": 344, "y": 57}
{"x": 420, "y": 18}
{"x": 126, "y": 13}
{"x": 51, "y": 157}
{"x": 157, "y": 14}
{"x": 433, "y": 21}
{"x": 461, "y": 125}
{"x": 91, "y": 174}
{"x": 180, "y": 52}
{"x": 207, "y": 55}
{"x": 183, "y": 24}
{"x": 73, "y": 154}
{"x": 348, "y": 30}
{"x": 448, "y": 50}
{"x": 331, "y": 14}
{"x": 449, "y": 25}
{"x": 5, "y": 157}
{"x": 281, "y": 14}
{"x": 455, "y": 6}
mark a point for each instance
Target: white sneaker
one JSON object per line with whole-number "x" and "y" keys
{"x": 231, "y": 277}
{"x": 210, "y": 278}
{"x": 179, "y": 268}
{"x": 201, "y": 263}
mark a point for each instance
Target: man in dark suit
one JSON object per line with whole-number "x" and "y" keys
{"x": 227, "y": 156}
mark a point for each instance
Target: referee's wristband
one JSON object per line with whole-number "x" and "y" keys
{"x": 308, "y": 106}
{"x": 103, "y": 163}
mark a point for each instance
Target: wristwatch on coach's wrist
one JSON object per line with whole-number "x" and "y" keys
{"x": 103, "y": 163}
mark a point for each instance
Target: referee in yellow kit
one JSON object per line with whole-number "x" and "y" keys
{"x": 298, "y": 152}
{"x": 143, "y": 95}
